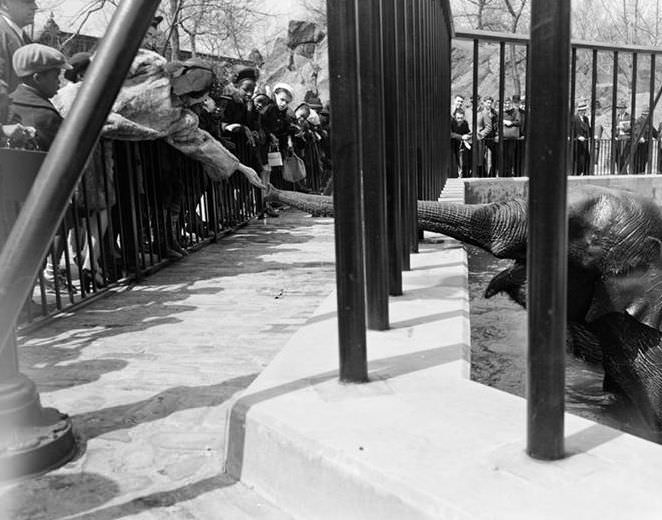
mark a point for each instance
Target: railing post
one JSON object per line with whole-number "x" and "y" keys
{"x": 374, "y": 180}
{"x": 392, "y": 123}
{"x": 35, "y": 439}
{"x": 547, "y": 253}
{"x": 347, "y": 190}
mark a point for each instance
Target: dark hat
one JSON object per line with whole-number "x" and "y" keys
{"x": 246, "y": 73}
{"x": 156, "y": 21}
{"x": 621, "y": 103}
{"x": 79, "y": 63}
{"x": 302, "y": 105}
{"x": 261, "y": 98}
{"x": 313, "y": 100}
{"x": 36, "y": 57}
{"x": 191, "y": 76}
{"x": 515, "y": 98}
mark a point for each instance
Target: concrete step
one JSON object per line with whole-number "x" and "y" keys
{"x": 421, "y": 440}
{"x": 453, "y": 191}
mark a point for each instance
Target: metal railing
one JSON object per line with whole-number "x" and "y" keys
{"x": 138, "y": 206}
{"x": 415, "y": 40}
{"x": 605, "y": 76}
{"x": 390, "y": 64}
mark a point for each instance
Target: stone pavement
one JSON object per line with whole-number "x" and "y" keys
{"x": 146, "y": 375}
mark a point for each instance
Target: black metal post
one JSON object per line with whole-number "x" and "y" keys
{"x": 474, "y": 112}
{"x": 571, "y": 167}
{"x": 391, "y": 89}
{"x": 633, "y": 109}
{"x": 502, "y": 90}
{"x": 651, "y": 109}
{"x": 594, "y": 82}
{"x": 614, "y": 102}
{"x": 374, "y": 180}
{"x": 346, "y": 156}
{"x": 547, "y": 252}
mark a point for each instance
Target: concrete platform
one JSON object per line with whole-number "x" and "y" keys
{"x": 421, "y": 441}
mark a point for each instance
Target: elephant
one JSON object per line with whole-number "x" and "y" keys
{"x": 614, "y": 304}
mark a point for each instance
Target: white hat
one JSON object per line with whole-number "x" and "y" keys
{"x": 285, "y": 87}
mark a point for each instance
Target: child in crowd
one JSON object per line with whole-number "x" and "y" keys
{"x": 38, "y": 69}
{"x": 277, "y": 121}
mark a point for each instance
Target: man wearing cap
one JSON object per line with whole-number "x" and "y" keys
{"x": 642, "y": 128}
{"x": 38, "y": 69}
{"x": 14, "y": 15}
{"x": 581, "y": 131}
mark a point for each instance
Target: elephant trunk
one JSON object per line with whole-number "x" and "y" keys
{"x": 499, "y": 228}
{"x": 316, "y": 205}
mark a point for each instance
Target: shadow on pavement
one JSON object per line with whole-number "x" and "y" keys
{"x": 93, "y": 424}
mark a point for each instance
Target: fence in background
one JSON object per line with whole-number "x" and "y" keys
{"x": 617, "y": 83}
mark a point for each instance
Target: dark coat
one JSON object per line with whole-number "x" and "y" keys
{"x": 30, "y": 108}
{"x": 459, "y": 129}
{"x": 641, "y": 127}
{"x": 486, "y": 124}
{"x": 10, "y": 40}
{"x": 581, "y": 126}
{"x": 234, "y": 111}
{"x": 279, "y": 123}
{"x": 513, "y": 131}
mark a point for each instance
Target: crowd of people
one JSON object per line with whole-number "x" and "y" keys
{"x": 590, "y": 151}
{"x": 254, "y": 121}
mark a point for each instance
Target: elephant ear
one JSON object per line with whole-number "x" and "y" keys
{"x": 510, "y": 281}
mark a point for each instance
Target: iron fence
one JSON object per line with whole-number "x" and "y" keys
{"x": 139, "y": 206}
{"x": 619, "y": 85}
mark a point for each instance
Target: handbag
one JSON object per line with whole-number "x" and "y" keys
{"x": 273, "y": 156}
{"x": 294, "y": 168}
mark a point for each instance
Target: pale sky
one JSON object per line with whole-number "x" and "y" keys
{"x": 68, "y": 14}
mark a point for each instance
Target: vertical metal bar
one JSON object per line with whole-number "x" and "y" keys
{"x": 391, "y": 89}
{"x": 374, "y": 181}
{"x": 474, "y": 115}
{"x": 594, "y": 82}
{"x": 571, "y": 167}
{"x": 502, "y": 90}
{"x": 614, "y": 102}
{"x": 346, "y": 155}
{"x": 651, "y": 108}
{"x": 402, "y": 103}
{"x": 633, "y": 104}
{"x": 547, "y": 251}
{"x": 413, "y": 126}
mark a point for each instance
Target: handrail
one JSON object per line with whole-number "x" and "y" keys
{"x": 46, "y": 203}
{"x": 523, "y": 39}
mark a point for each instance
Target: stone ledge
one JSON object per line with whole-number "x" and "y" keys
{"x": 421, "y": 440}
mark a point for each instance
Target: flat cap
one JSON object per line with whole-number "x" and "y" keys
{"x": 36, "y": 57}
